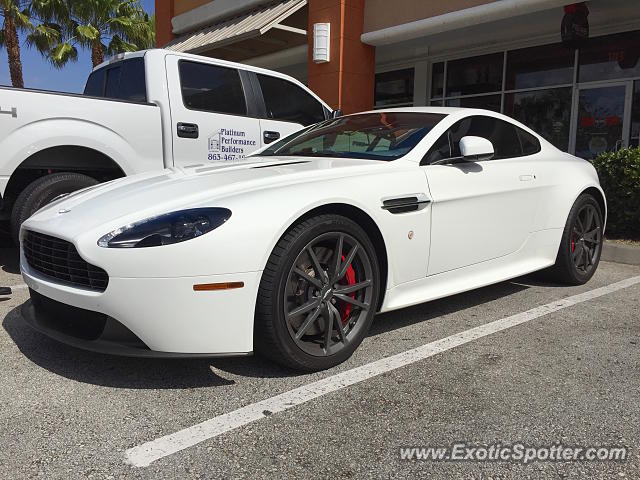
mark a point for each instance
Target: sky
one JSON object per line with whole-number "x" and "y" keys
{"x": 38, "y": 72}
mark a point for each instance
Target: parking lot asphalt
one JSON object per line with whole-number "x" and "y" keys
{"x": 570, "y": 377}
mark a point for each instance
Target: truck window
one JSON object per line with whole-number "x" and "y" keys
{"x": 124, "y": 80}
{"x": 212, "y": 88}
{"x": 112, "y": 87}
{"x": 287, "y": 101}
{"x": 133, "y": 81}
{"x": 95, "y": 84}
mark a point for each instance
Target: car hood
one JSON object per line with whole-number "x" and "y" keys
{"x": 142, "y": 196}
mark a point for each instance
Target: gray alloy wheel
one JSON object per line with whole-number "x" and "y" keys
{"x": 318, "y": 294}
{"x": 581, "y": 245}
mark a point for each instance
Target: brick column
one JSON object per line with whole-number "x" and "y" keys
{"x": 164, "y": 30}
{"x": 347, "y": 80}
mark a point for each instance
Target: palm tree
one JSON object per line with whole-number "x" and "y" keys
{"x": 15, "y": 15}
{"x": 103, "y": 26}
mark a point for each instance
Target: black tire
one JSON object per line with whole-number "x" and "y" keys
{"x": 581, "y": 245}
{"x": 42, "y": 191}
{"x": 275, "y": 335}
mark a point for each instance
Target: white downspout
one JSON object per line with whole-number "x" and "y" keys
{"x": 489, "y": 12}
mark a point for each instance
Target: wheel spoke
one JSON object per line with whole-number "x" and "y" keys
{"x": 316, "y": 265}
{"x": 337, "y": 255}
{"x": 352, "y": 301}
{"x": 579, "y": 225}
{"x": 328, "y": 329}
{"x": 577, "y": 253}
{"x": 592, "y": 236}
{"x": 586, "y": 258}
{"x": 352, "y": 288}
{"x": 308, "y": 278}
{"x": 307, "y": 322}
{"x": 347, "y": 262}
{"x": 588, "y": 222}
{"x": 338, "y": 322}
{"x": 304, "y": 308}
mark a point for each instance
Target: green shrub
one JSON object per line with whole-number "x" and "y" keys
{"x": 619, "y": 174}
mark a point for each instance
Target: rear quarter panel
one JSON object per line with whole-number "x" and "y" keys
{"x": 128, "y": 133}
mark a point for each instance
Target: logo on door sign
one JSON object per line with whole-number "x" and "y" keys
{"x": 229, "y": 144}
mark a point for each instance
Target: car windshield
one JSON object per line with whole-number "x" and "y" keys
{"x": 371, "y": 136}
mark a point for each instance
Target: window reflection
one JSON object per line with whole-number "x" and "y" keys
{"x": 489, "y": 102}
{"x": 635, "y": 116}
{"x": 437, "y": 79}
{"x": 470, "y": 76}
{"x": 548, "y": 112}
{"x": 611, "y": 57}
{"x": 394, "y": 88}
{"x": 539, "y": 66}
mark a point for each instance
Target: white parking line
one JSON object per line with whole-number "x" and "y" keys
{"x": 143, "y": 455}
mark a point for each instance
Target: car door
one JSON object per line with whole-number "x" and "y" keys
{"x": 486, "y": 209}
{"x": 288, "y": 108}
{"x": 213, "y": 112}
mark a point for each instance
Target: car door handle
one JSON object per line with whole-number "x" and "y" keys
{"x": 270, "y": 136}
{"x": 527, "y": 178}
{"x": 188, "y": 130}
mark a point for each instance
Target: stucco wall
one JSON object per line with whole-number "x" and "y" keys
{"x": 385, "y": 13}
{"x": 181, "y": 6}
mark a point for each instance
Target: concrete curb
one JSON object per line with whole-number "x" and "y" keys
{"x": 620, "y": 253}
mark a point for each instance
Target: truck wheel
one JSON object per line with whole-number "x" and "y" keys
{"x": 42, "y": 191}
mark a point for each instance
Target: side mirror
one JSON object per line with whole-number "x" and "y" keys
{"x": 336, "y": 113}
{"x": 476, "y": 149}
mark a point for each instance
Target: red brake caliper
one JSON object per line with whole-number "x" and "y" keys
{"x": 573, "y": 244}
{"x": 345, "y": 308}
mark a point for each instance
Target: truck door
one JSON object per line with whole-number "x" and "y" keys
{"x": 210, "y": 113}
{"x": 288, "y": 107}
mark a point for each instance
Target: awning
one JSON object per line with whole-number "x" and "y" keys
{"x": 250, "y": 25}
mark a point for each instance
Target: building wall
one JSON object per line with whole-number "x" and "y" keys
{"x": 164, "y": 14}
{"x": 347, "y": 81}
{"x": 380, "y": 14}
{"x": 182, "y": 6}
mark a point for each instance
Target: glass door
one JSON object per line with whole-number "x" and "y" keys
{"x": 602, "y": 120}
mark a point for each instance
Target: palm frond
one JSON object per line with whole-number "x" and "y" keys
{"x": 62, "y": 54}
{"x": 45, "y": 37}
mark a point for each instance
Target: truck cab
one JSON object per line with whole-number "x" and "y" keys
{"x": 140, "y": 112}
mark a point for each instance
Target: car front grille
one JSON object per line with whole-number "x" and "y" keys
{"x": 59, "y": 259}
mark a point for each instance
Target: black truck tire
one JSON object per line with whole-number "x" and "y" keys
{"x": 41, "y": 192}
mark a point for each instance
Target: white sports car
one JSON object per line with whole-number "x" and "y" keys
{"x": 292, "y": 251}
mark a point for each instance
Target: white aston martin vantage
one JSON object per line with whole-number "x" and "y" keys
{"x": 292, "y": 251}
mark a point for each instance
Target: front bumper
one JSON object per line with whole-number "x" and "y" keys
{"x": 147, "y": 316}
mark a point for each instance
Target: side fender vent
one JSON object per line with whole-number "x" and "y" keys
{"x": 405, "y": 204}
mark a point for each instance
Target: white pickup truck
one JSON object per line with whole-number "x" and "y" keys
{"x": 141, "y": 111}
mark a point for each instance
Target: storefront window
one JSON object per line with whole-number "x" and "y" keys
{"x": 394, "y": 88}
{"x": 635, "y": 116}
{"x": 470, "y": 76}
{"x": 539, "y": 66}
{"x": 489, "y": 102}
{"x": 610, "y": 57}
{"x": 548, "y": 112}
{"x": 437, "y": 79}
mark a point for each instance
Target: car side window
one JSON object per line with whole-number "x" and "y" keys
{"x": 212, "y": 88}
{"x": 508, "y": 140}
{"x": 288, "y": 102}
{"x": 530, "y": 144}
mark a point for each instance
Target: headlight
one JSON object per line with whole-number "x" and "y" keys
{"x": 166, "y": 229}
